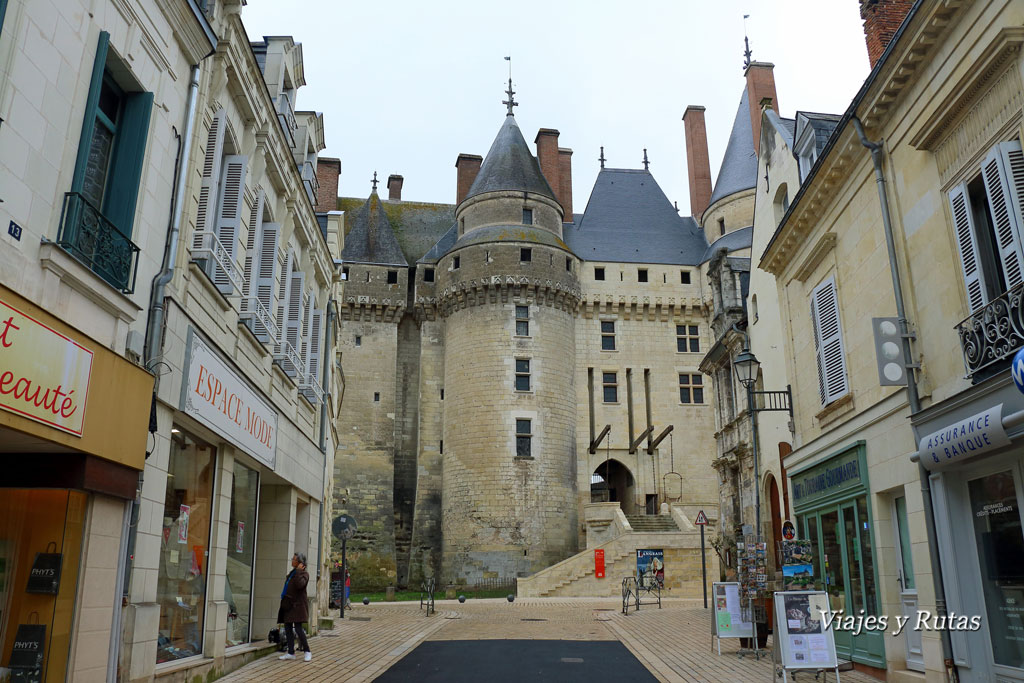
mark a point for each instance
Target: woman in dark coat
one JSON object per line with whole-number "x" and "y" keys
{"x": 294, "y": 608}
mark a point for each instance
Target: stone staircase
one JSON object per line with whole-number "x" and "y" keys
{"x": 652, "y": 523}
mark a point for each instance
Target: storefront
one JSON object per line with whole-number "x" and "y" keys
{"x": 830, "y": 499}
{"x": 74, "y": 420}
{"x": 973, "y": 446}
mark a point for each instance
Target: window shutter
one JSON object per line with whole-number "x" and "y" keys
{"x": 89, "y": 120}
{"x": 293, "y": 331}
{"x": 285, "y": 264}
{"x": 832, "y": 382}
{"x": 127, "y": 162}
{"x": 315, "y": 342}
{"x": 967, "y": 245}
{"x": 211, "y": 176}
{"x": 229, "y": 219}
{"x": 307, "y": 309}
{"x": 251, "y": 253}
{"x": 1004, "y": 202}
{"x": 266, "y": 272}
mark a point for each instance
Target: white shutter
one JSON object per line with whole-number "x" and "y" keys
{"x": 307, "y": 310}
{"x": 293, "y": 331}
{"x": 967, "y": 245}
{"x": 829, "y": 342}
{"x": 229, "y": 219}
{"x": 313, "y": 361}
{"x": 211, "y": 176}
{"x": 1004, "y": 203}
{"x": 252, "y": 241}
{"x": 266, "y": 267}
{"x": 285, "y": 264}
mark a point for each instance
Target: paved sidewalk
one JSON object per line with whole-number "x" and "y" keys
{"x": 673, "y": 643}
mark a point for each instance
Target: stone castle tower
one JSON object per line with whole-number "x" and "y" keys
{"x": 508, "y": 292}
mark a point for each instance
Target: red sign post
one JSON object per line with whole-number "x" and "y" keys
{"x": 599, "y": 563}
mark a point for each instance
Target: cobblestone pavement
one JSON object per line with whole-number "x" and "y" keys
{"x": 674, "y": 643}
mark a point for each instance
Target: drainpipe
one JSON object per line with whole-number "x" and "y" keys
{"x": 325, "y": 359}
{"x": 913, "y": 399}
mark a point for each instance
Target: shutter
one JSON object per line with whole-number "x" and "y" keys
{"x": 303, "y": 348}
{"x": 285, "y": 268}
{"x": 127, "y": 162}
{"x": 1004, "y": 203}
{"x": 252, "y": 240}
{"x": 229, "y": 219}
{"x": 91, "y": 103}
{"x": 967, "y": 245}
{"x": 266, "y": 272}
{"x": 211, "y": 176}
{"x": 315, "y": 342}
{"x": 293, "y": 331}
{"x": 829, "y": 338}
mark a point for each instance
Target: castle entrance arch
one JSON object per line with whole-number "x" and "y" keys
{"x": 612, "y": 482}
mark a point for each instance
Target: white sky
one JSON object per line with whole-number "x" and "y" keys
{"x": 406, "y": 86}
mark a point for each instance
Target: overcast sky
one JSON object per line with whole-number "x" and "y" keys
{"x": 406, "y": 86}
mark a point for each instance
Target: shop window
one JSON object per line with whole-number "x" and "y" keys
{"x": 524, "y": 435}
{"x": 691, "y": 389}
{"x": 522, "y": 374}
{"x": 607, "y": 335}
{"x": 185, "y": 546}
{"x": 687, "y": 338}
{"x": 522, "y": 321}
{"x": 610, "y": 385}
{"x": 241, "y": 553}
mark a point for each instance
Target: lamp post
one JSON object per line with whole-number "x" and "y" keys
{"x": 746, "y": 366}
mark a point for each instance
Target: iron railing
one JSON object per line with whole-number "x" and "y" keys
{"x": 994, "y": 332}
{"x": 311, "y": 389}
{"x": 90, "y": 237}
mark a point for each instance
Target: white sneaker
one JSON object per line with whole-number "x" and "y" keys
{"x": 308, "y": 657}
{"x": 287, "y": 656}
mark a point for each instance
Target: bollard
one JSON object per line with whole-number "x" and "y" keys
{"x": 511, "y": 597}
{"x": 449, "y": 593}
{"x": 462, "y": 598}
{"x": 366, "y": 601}
{"x": 389, "y": 594}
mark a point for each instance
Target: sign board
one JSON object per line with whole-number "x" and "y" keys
{"x": 599, "y": 563}
{"x": 44, "y": 375}
{"x": 833, "y": 476}
{"x": 702, "y": 519}
{"x": 650, "y": 567}
{"x": 344, "y": 527}
{"x": 215, "y": 395}
{"x": 804, "y": 639}
{"x": 788, "y": 530}
{"x": 728, "y": 615}
{"x": 963, "y": 440}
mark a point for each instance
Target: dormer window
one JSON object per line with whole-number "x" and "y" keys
{"x": 527, "y": 216}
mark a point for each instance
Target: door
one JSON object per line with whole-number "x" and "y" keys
{"x": 908, "y": 587}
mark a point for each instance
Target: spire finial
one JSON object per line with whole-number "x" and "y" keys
{"x": 746, "y": 43}
{"x": 647, "y": 164}
{"x": 601, "y": 158}
{"x": 374, "y": 182}
{"x": 510, "y": 102}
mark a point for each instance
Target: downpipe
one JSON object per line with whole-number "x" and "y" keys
{"x": 877, "y": 152}
{"x": 326, "y": 360}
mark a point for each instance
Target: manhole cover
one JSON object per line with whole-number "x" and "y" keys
{"x": 359, "y": 618}
{"x": 533, "y": 619}
{"x": 572, "y": 660}
{"x": 328, "y": 635}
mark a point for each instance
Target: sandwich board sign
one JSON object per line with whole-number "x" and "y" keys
{"x": 805, "y": 638}
{"x": 727, "y": 619}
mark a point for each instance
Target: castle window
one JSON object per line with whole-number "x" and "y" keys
{"x": 524, "y": 434}
{"x": 525, "y": 255}
{"x": 684, "y": 277}
{"x": 359, "y": 340}
{"x": 428, "y": 275}
{"x": 344, "y": 273}
{"x": 522, "y": 321}
{"x": 568, "y": 264}
{"x": 522, "y": 374}
{"x": 691, "y": 388}
{"x": 611, "y": 387}
{"x": 442, "y": 393}
{"x": 721, "y": 226}
{"x": 607, "y": 335}
{"x": 456, "y": 262}
{"x": 442, "y": 446}
{"x": 598, "y": 273}
{"x": 527, "y": 216}
{"x": 687, "y": 338}
{"x": 367, "y": 276}
{"x": 641, "y": 275}
{"x": 392, "y": 277}
{"x": 376, "y": 397}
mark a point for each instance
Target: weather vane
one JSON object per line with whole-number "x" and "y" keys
{"x": 647, "y": 164}
{"x": 510, "y": 102}
{"x": 601, "y": 158}
{"x": 374, "y": 182}
{"x": 746, "y": 43}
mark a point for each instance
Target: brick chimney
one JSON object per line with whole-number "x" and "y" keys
{"x": 468, "y": 166}
{"x": 327, "y": 172}
{"x": 547, "y": 155}
{"x": 697, "y": 165}
{"x": 395, "y": 187}
{"x": 565, "y": 181}
{"x": 760, "y": 84}
{"x": 882, "y": 18}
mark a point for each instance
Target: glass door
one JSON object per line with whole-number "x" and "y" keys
{"x": 833, "y": 574}
{"x": 908, "y": 589}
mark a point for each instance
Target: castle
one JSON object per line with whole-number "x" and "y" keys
{"x": 508, "y": 361}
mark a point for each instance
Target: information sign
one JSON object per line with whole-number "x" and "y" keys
{"x": 728, "y": 619}
{"x": 805, "y": 639}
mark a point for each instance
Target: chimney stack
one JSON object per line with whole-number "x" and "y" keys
{"x": 760, "y": 85}
{"x": 565, "y": 182}
{"x": 882, "y": 18}
{"x": 327, "y": 172}
{"x": 395, "y": 187}
{"x": 697, "y": 164}
{"x": 547, "y": 156}
{"x": 468, "y": 166}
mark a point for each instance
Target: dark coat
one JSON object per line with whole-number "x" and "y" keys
{"x": 294, "y": 607}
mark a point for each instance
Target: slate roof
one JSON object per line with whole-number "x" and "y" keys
{"x": 442, "y": 246}
{"x": 739, "y": 165}
{"x": 416, "y": 225}
{"x": 629, "y": 219}
{"x": 370, "y": 238}
{"x": 822, "y": 124}
{"x": 509, "y": 165}
{"x": 738, "y": 239}
{"x": 785, "y": 127}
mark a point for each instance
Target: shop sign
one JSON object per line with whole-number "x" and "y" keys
{"x": 44, "y": 375}
{"x": 836, "y": 475}
{"x": 963, "y": 440}
{"x": 215, "y": 395}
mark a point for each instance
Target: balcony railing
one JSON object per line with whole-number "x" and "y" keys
{"x": 309, "y": 180}
{"x": 92, "y": 239}
{"x": 311, "y": 389}
{"x": 253, "y": 309}
{"x": 224, "y": 270}
{"x": 289, "y": 358}
{"x": 286, "y": 114}
{"x": 994, "y": 332}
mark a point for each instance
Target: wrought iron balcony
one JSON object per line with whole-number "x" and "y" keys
{"x": 994, "y": 332}
{"x": 311, "y": 389}
{"x": 92, "y": 239}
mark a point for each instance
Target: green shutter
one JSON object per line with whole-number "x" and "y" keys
{"x": 129, "y": 153}
{"x": 89, "y": 119}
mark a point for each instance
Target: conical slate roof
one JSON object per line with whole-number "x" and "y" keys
{"x": 509, "y": 165}
{"x": 371, "y": 239}
{"x": 739, "y": 165}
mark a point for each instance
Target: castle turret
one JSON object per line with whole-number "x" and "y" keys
{"x": 508, "y": 290}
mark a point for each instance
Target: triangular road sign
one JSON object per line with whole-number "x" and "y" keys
{"x": 702, "y": 519}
